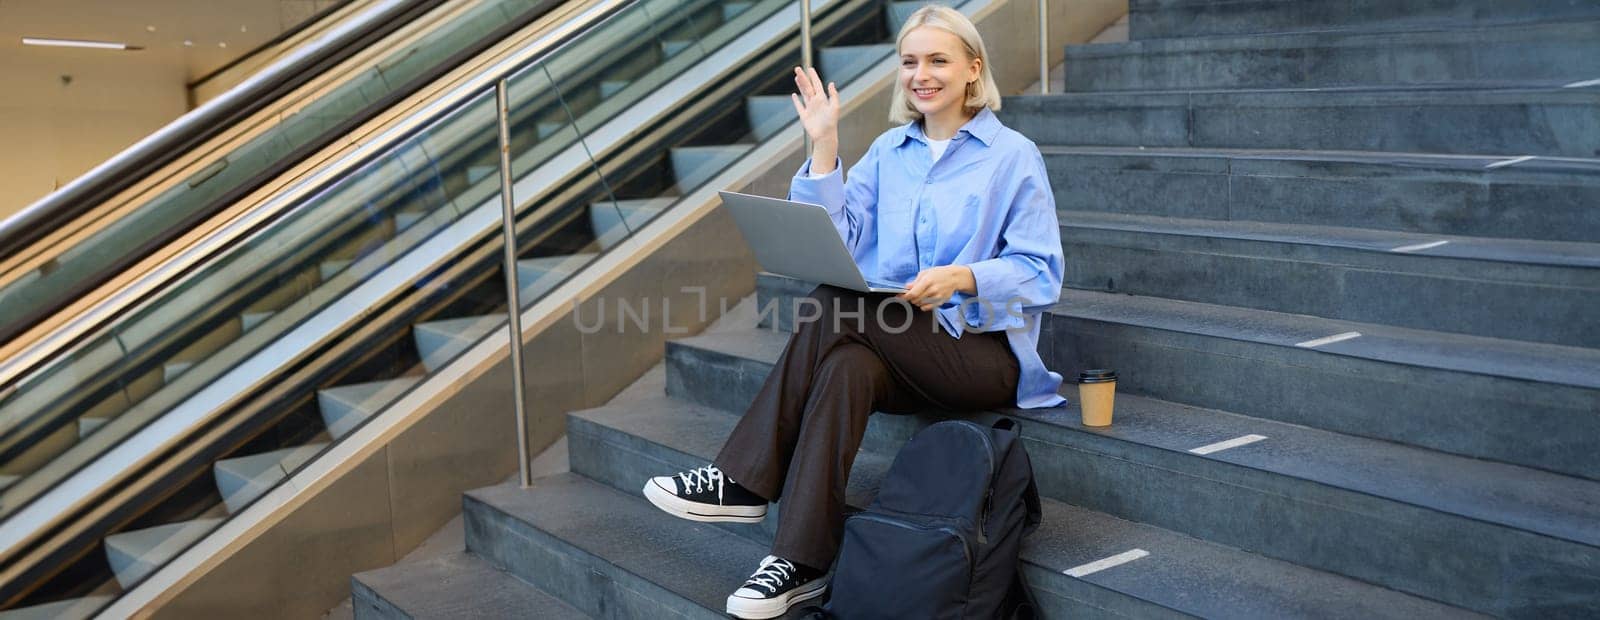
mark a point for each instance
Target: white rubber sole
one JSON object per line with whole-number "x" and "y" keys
{"x": 758, "y": 609}
{"x": 694, "y": 511}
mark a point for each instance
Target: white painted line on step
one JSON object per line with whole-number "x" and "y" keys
{"x": 1312, "y": 344}
{"x": 1583, "y": 84}
{"x": 1419, "y": 247}
{"x": 1231, "y": 443}
{"x": 1510, "y": 162}
{"x": 1100, "y": 565}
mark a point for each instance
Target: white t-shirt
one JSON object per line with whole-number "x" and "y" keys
{"x": 937, "y": 146}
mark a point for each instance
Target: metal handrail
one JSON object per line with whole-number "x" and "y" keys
{"x": 508, "y": 229}
{"x": 1044, "y": 47}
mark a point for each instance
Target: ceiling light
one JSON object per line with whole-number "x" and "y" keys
{"x": 104, "y": 45}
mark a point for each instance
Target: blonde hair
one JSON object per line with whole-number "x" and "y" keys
{"x": 981, "y": 93}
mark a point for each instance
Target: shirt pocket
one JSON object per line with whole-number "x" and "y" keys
{"x": 956, "y": 216}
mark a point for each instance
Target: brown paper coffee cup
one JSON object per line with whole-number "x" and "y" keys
{"x": 1097, "y": 392}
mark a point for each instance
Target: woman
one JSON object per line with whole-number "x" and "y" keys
{"x": 958, "y": 209}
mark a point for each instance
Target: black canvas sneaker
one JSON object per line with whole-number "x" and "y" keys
{"x": 704, "y": 494}
{"x": 776, "y": 584}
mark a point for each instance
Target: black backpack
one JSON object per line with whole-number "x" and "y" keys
{"x": 943, "y": 537}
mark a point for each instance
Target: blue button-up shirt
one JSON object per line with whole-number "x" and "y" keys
{"x": 985, "y": 204}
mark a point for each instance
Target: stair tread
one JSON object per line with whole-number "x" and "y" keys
{"x": 697, "y": 561}
{"x": 459, "y": 585}
{"x": 1179, "y": 573}
{"x": 1544, "y": 363}
{"x": 1583, "y": 169}
{"x": 1551, "y": 504}
{"x": 1416, "y": 35}
{"x": 1533, "y": 252}
{"x": 1187, "y": 18}
{"x": 699, "y": 430}
{"x": 1508, "y": 93}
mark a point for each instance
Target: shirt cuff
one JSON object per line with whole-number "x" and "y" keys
{"x": 989, "y": 276}
{"x": 826, "y": 190}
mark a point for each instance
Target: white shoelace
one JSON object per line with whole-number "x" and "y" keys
{"x": 771, "y": 575}
{"x": 704, "y": 476}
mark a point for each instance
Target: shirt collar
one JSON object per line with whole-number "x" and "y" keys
{"x": 985, "y": 126}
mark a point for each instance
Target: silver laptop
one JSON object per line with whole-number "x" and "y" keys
{"x": 798, "y": 240}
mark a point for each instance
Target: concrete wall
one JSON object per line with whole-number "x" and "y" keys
{"x": 51, "y": 130}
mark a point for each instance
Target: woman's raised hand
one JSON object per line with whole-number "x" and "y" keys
{"x": 819, "y": 112}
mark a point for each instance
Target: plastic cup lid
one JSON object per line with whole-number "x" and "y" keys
{"x": 1097, "y": 376}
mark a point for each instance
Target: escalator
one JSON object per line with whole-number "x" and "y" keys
{"x": 339, "y": 294}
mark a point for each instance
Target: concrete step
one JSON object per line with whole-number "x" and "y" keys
{"x": 626, "y": 442}
{"x": 768, "y": 114}
{"x": 459, "y": 585}
{"x": 1561, "y": 51}
{"x": 614, "y": 221}
{"x": 69, "y": 609}
{"x": 1541, "y": 198}
{"x": 1509, "y": 122}
{"x": 1522, "y": 403}
{"x": 1275, "y": 496}
{"x": 135, "y": 554}
{"x": 241, "y": 480}
{"x": 440, "y": 341}
{"x": 694, "y": 165}
{"x": 842, "y": 63}
{"x": 1160, "y": 19}
{"x": 1520, "y": 290}
{"x": 345, "y": 407}
{"x": 641, "y": 564}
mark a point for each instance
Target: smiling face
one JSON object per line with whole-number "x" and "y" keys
{"x": 935, "y": 70}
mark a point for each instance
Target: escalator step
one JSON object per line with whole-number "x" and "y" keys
{"x": 240, "y": 480}
{"x": 438, "y": 341}
{"x": 343, "y": 408}
{"x": 133, "y": 555}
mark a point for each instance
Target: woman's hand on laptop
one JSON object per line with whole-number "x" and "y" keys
{"x": 936, "y": 285}
{"x": 818, "y": 108}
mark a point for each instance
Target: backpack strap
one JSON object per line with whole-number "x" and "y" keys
{"x": 1030, "y": 495}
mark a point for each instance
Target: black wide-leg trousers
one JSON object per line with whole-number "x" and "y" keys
{"x": 864, "y": 353}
